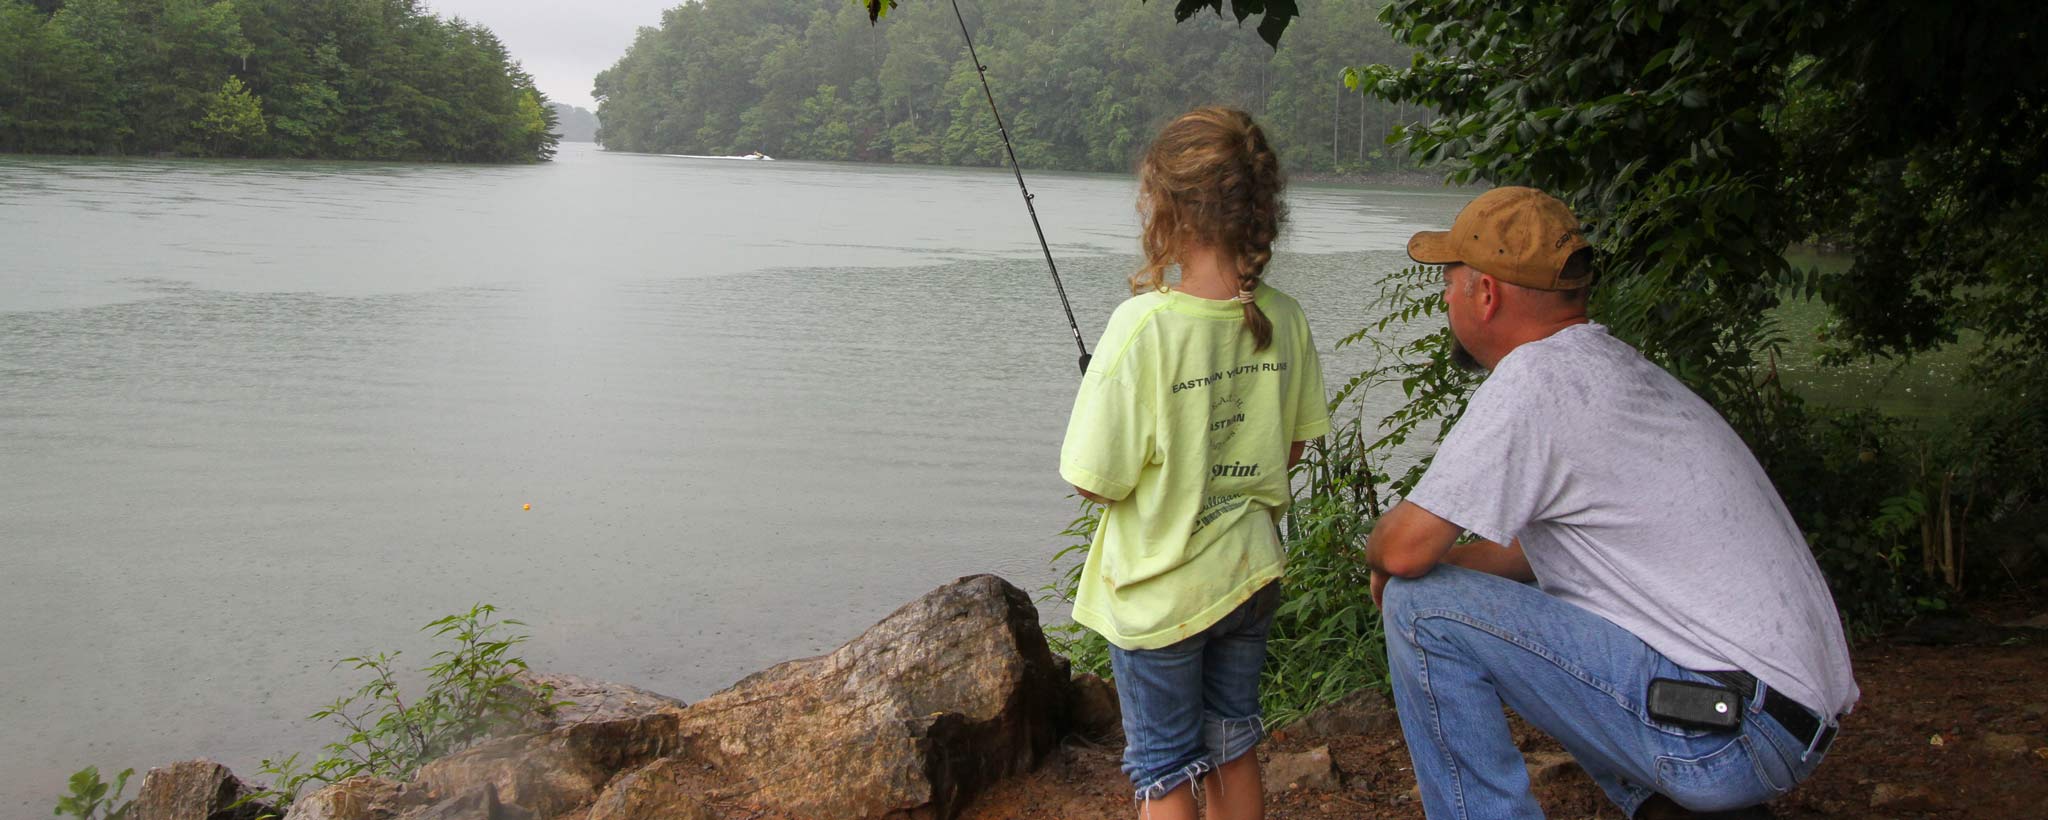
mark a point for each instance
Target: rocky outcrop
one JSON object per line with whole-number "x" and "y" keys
{"x": 575, "y": 700}
{"x": 480, "y": 803}
{"x": 357, "y": 798}
{"x": 911, "y": 719}
{"x": 194, "y": 790}
{"x": 662, "y": 789}
{"x": 555, "y": 771}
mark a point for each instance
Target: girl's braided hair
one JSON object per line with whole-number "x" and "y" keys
{"x": 1211, "y": 178}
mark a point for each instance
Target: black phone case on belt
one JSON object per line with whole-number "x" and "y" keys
{"x": 1698, "y": 705}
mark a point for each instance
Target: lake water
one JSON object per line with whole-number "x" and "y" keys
{"x": 256, "y": 417}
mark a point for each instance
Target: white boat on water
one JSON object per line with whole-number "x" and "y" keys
{"x": 753, "y": 156}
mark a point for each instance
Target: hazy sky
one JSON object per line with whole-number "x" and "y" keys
{"x": 562, "y": 44}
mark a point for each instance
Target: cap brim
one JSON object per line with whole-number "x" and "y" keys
{"x": 1432, "y": 248}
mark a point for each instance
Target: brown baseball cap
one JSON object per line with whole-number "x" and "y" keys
{"x": 1517, "y": 235}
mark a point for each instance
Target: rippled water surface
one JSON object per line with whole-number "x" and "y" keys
{"x": 257, "y": 417}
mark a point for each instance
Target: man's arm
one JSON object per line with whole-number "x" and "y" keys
{"x": 1409, "y": 541}
{"x": 1091, "y": 496}
{"x": 1507, "y": 562}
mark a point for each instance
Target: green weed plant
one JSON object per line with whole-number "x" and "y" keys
{"x": 471, "y": 692}
{"x": 92, "y": 799}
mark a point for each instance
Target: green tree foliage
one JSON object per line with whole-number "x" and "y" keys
{"x": 1701, "y": 139}
{"x": 233, "y": 121}
{"x": 1082, "y": 83}
{"x": 364, "y": 79}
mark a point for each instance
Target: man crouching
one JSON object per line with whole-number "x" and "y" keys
{"x": 1679, "y": 639}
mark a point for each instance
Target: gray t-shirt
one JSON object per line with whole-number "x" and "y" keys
{"x": 1637, "y": 502}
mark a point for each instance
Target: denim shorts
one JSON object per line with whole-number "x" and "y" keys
{"x": 1194, "y": 706}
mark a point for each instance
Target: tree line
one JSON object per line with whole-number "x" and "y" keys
{"x": 336, "y": 79}
{"x": 1082, "y": 84}
{"x": 574, "y": 123}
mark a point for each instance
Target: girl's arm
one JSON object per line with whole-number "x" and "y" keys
{"x": 1091, "y": 496}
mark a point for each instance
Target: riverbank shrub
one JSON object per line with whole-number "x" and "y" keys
{"x": 1327, "y": 640}
{"x": 471, "y": 692}
{"x": 92, "y": 799}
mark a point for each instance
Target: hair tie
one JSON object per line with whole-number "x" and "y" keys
{"x": 1246, "y": 296}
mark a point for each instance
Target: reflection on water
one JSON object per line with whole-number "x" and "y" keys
{"x": 255, "y": 417}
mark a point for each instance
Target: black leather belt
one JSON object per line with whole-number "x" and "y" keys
{"x": 1803, "y": 724}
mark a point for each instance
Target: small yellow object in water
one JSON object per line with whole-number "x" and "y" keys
{"x": 526, "y": 506}
{"x": 1934, "y": 741}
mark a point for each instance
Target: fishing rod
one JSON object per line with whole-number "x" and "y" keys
{"x": 982, "y": 71}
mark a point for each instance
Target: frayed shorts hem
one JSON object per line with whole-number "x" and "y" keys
{"x": 1224, "y": 740}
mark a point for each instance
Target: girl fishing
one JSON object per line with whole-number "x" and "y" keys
{"x": 1199, "y": 399}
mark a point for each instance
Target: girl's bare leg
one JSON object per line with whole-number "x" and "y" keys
{"x": 1236, "y": 791}
{"x": 1178, "y": 804}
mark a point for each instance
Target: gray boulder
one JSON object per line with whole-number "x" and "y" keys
{"x": 194, "y": 790}
{"x": 913, "y": 718}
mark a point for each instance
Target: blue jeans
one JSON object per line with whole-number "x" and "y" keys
{"x": 1194, "y": 706}
{"x": 1461, "y": 643}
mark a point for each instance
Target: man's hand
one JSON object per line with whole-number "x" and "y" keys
{"x": 1409, "y": 541}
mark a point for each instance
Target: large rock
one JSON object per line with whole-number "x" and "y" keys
{"x": 911, "y": 719}
{"x": 577, "y": 700}
{"x": 194, "y": 790}
{"x": 662, "y": 789}
{"x": 480, "y": 803}
{"x": 553, "y": 772}
{"x": 357, "y": 798}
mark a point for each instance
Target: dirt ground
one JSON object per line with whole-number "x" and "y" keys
{"x": 1942, "y": 731}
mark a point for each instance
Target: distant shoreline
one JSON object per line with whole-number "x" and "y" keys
{"x": 1379, "y": 179}
{"x": 1370, "y": 179}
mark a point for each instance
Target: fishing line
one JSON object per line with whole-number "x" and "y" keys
{"x": 982, "y": 71}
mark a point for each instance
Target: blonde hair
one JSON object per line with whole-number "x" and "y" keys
{"x": 1211, "y": 174}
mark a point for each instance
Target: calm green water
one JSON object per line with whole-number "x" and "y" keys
{"x": 256, "y": 417}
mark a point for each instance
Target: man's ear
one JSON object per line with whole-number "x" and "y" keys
{"x": 1489, "y": 297}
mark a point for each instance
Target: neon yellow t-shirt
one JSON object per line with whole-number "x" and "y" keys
{"x": 1187, "y": 430}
